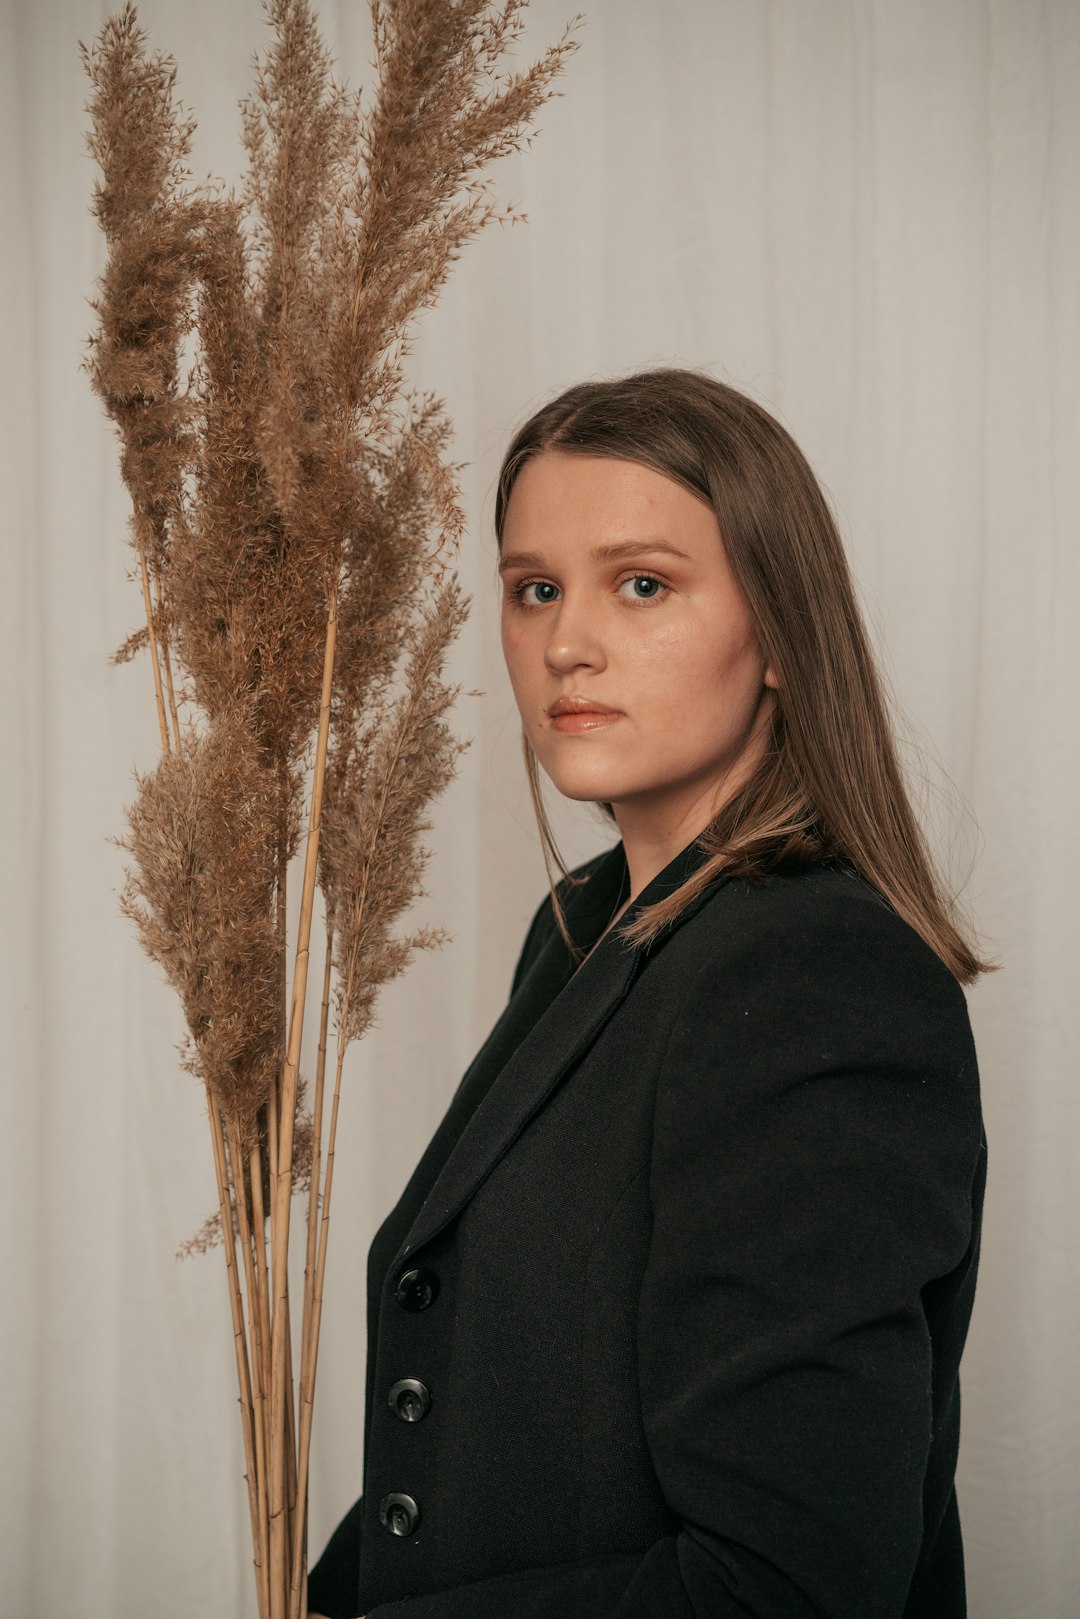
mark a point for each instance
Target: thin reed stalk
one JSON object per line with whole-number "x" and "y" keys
{"x": 154, "y": 655}
{"x": 243, "y": 1373}
{"x": 311, "y": 1342}
{"x": 256, "y": 1338}
{"x": 309, "y": 1331}
{"x": 280, "y": 1347}
{"x": 262, "y": 1300}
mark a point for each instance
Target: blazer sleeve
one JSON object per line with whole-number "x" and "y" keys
{"x": 817, "y": 1129}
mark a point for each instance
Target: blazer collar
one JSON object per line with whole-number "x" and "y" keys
{"x": 563, "y": 1011}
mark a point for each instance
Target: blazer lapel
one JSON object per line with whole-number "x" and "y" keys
{"x": 578, "y": 1004}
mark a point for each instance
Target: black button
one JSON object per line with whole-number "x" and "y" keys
{"x": 417, "y": 1288}
{"x": 398, "y": 1514}
{"x": 410, "y": 1399}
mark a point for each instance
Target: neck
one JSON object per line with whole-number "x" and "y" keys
{"x": 653, "y": 834}
{"x": 650, "y": 845}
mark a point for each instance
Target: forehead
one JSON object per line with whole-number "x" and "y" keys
{"x": 597, "y": 499}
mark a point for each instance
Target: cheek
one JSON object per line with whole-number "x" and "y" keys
{"x": 509, "y": 639}
{"x": 704, "y": 680}
{"x": 522, "y": 664}
{"x": 688, "y": 657}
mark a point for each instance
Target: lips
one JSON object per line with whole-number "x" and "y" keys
{"x": 579, "y": 705}
{"x": 585, "y": 719}
{"x": 578, "y": 714}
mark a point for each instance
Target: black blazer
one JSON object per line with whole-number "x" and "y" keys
{"x": 667, "y": 1322}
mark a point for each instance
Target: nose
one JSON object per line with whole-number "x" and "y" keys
{"x": 573, "y": 640}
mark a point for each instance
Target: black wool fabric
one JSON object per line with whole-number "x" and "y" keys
{"x": 697, "y": 1241}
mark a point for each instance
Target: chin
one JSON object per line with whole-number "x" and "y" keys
{"x": 587, "y": 789}
{"x": 599, "y": 795}
{"x": 588, "y": 777}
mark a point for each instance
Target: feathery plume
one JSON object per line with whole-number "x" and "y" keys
{"x": 295, "y": 521}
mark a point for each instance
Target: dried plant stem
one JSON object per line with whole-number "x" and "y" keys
{"x": 258, "y": 1232}
{"x": 272, "y": 1110}
{"x": 290, "y": 1428}
{"x": 154, "y": 661}
{"x": 272, "y": 1116}
{"x": 309, "y": 1332}
{"x": 167, "y": 661}
{"x": 274, "y": 1409}
{"x": 311, "y": 1343}
{"x": 281, "y": 1383}
{"x": 255, "y": 1324}
{"x": 275, "y": 1088}
{"x": 217, "y": 1135}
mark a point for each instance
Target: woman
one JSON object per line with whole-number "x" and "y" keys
{"x": 667, "y": 1323}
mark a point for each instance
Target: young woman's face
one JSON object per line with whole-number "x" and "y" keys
{"x": 665, "y": 640}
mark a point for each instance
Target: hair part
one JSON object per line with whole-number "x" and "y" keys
{"x": 828, "y": 785}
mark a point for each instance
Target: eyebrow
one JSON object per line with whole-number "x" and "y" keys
{"x": 602, "y": 553}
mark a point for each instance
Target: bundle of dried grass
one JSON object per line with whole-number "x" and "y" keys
{"x": 286, "y": 486}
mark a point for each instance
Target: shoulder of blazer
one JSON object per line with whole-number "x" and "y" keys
{"x": 822, "y": 925}
{"x": 813, "y": 973}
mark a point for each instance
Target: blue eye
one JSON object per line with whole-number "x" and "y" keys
{"x": 649, "y": 579}
{"x": 526, "y": 584}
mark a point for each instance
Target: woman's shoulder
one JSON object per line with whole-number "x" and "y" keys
{"x": 811, "y": 975}
{"x": 821, "y": 930}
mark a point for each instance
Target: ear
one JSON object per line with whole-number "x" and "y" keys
{"x": 771, "y": 678}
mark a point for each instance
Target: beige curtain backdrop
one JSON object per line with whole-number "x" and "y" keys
{"x": 863, "y": 213}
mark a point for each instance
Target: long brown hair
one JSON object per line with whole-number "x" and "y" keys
{"x": 828, "y": 784}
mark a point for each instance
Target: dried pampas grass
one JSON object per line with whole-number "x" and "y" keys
{"x": 294, "y": 522}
